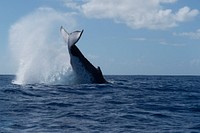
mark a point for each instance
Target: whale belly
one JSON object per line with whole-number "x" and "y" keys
{"x": 82, "y": 75}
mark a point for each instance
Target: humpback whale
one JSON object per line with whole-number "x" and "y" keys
{"x": 85, "y": 72}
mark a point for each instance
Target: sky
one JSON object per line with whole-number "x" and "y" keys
{"x": 123, "y": 37}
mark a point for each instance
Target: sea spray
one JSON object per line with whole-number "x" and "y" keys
{"x": 38, "y": 49}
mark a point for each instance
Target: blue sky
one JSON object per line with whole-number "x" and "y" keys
{"x": 136, "y": 37}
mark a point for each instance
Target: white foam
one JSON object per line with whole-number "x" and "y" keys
{"x": 39, "y": 50}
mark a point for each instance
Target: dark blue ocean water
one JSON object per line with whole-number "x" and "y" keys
{"x": 128, "y": 104}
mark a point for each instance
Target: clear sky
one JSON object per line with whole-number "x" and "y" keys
{"x": 136, "y": 37}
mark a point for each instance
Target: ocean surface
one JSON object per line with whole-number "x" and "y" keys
{"x": 128, "y": 104}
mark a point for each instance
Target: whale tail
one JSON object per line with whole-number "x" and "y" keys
{"x": 71, "y": 38}
{"x": 84, "y": 70}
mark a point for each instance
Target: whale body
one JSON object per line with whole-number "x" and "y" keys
{"x": 84, "y": 71}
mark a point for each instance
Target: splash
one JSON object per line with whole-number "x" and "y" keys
{"x": 38, "y": 49}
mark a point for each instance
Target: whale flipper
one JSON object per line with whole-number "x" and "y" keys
{"x": 84, "y": 70}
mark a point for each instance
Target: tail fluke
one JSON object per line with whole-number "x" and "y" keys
{"x": 71, "y": 38}
{"x": 65, "y": 34}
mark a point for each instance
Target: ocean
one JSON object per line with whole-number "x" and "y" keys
{"x": 137, "y": 104}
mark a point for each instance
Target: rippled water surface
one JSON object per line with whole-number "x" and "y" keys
{"x": 127, "y": 104}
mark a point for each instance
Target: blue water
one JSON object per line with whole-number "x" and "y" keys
{"x": 128, "y": 104}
